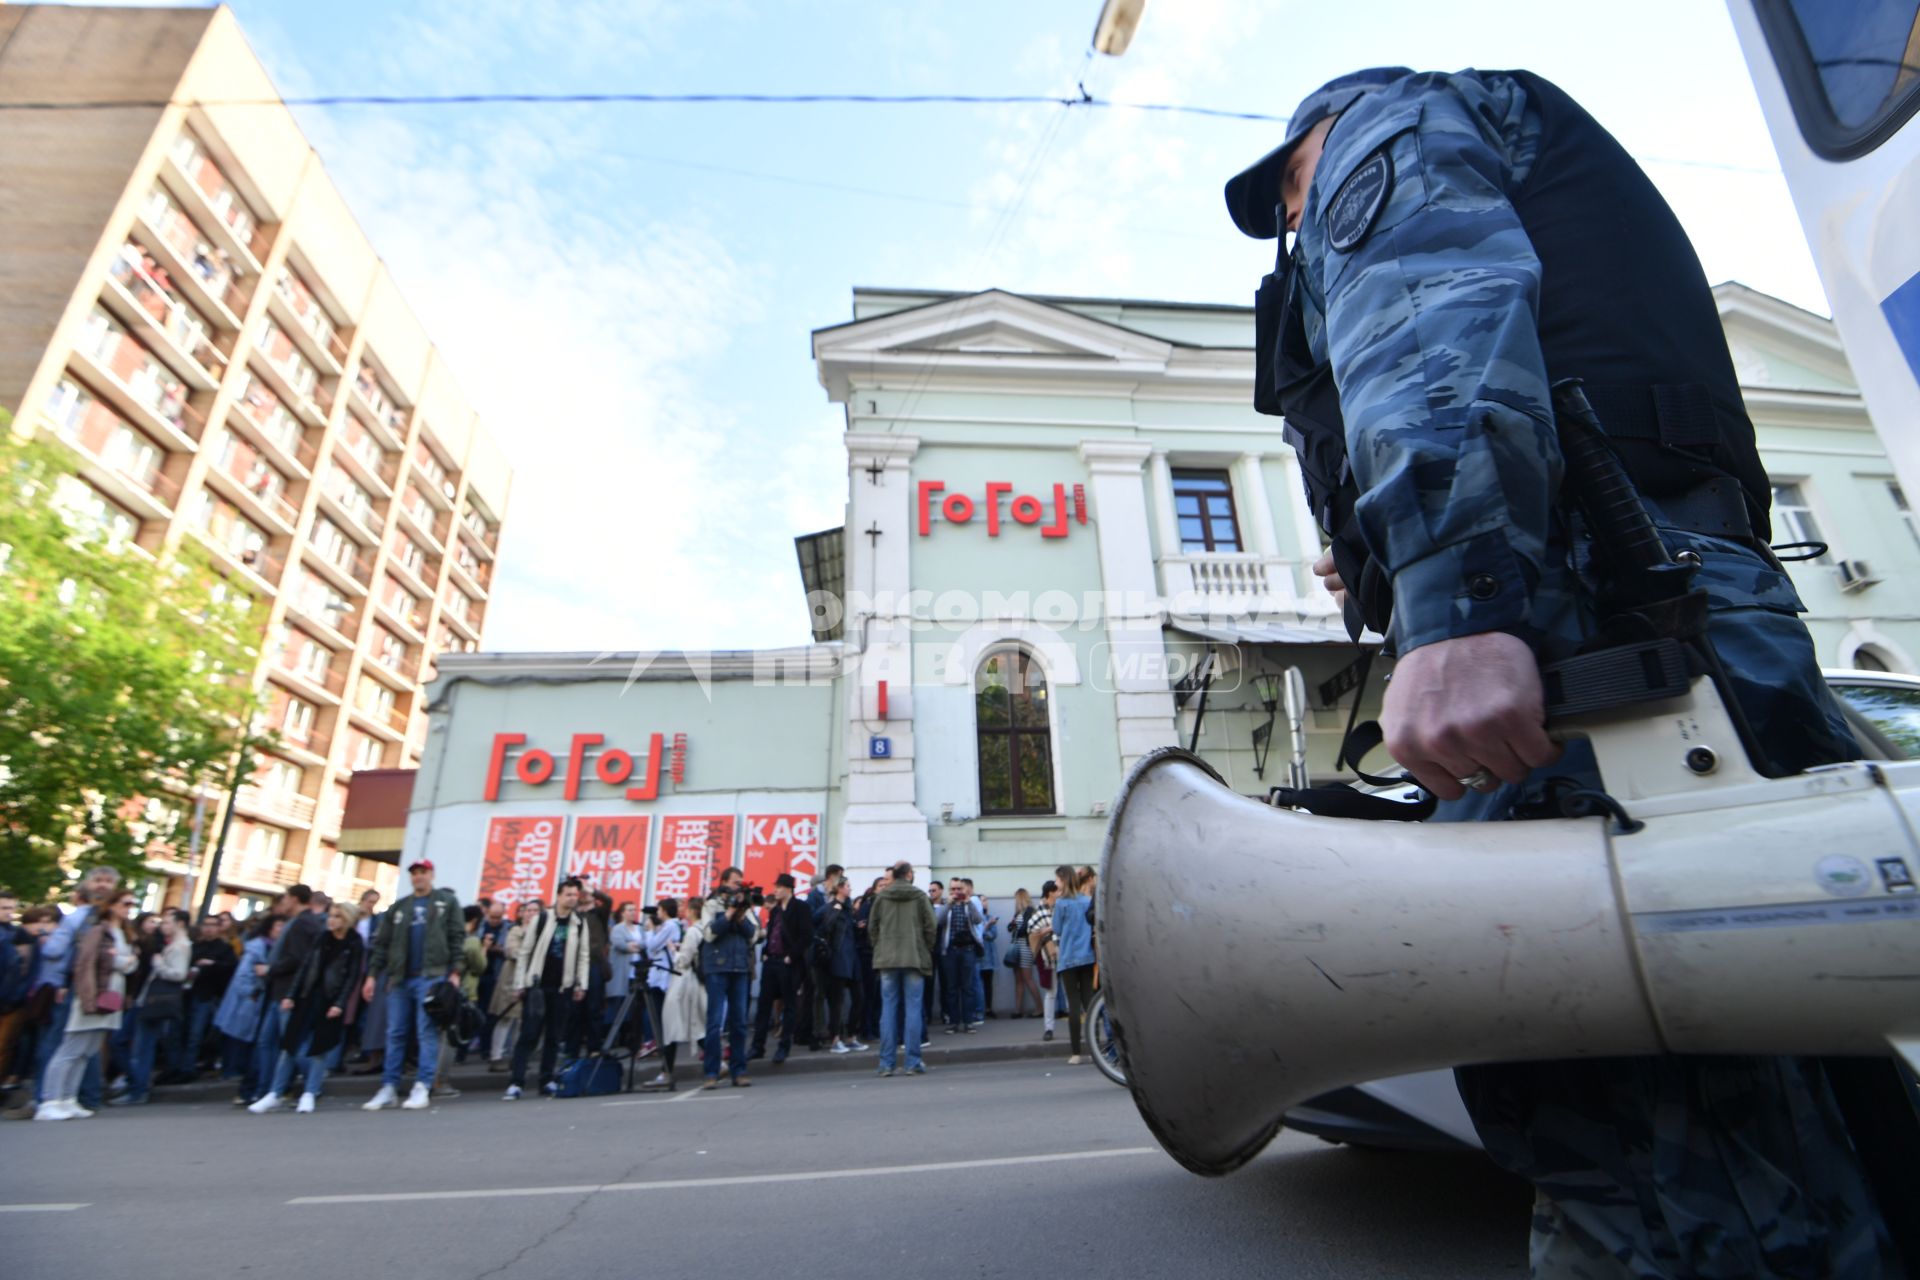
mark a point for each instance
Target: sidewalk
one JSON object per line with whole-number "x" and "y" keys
{"x": 997, "y": 1040}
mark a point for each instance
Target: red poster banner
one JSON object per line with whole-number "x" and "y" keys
{"x": 522, "y": 860}
{"x": 693, "y": 847}
{"x": 778, "y": 842}
{"x": 610, "y": 853}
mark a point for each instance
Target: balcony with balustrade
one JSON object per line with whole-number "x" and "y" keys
{"x": 479, "y": 533}
{"x": 205, "y": 273}
{"x": 360, "y": 453}
{"x": 115, "y": 456}
{"x": 368, "y": 393}
{"x": 298, "y": 310}
{"x": 241, "y": 473}
{"x": 142, "y": 295}
{"x": 198, "y": 181}
{"x": 426, "y": 526}
{"x": 282, "y": 808}
{"x": 348, "y": 505}
{"x": 138, "y": 383}
{"x": 293, "y": 377}
{"x": 270, "y": 425}
{"x": 338, "y": 558}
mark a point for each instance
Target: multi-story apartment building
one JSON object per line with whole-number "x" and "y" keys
{"x": 191, "y": 308}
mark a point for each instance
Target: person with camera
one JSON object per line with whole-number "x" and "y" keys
{"x": 555, "y": 972}
{"x": 726, "y": 959}
{"x": 783, "y": 968}
{"x": 661, "y": 933}
{"x": 962, "y": 933}
{"x": 676, "y": 996}
{"x": 838, "y": 942}
{"x": 903, "y": 929}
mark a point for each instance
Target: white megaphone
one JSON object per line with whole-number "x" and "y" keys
{"x": 1255, "y": 957}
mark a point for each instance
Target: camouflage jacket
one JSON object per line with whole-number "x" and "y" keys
{"x": 1429, "y": 320}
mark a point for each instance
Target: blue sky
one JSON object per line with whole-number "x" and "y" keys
{"x": 627, "y": 291}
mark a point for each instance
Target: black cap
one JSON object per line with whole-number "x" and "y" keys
{"x": 1253, "y": 194}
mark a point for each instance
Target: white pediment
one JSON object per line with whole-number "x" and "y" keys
{"x": 992, "y": 332}
{"x": 1777, "y": 346}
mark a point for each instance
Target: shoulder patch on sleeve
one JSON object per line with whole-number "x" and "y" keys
{"x": 1356, "y": 206}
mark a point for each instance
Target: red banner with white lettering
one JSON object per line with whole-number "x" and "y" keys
{"x": 778, "y": 842}
{"x": 693, "y": 849}
{"x": 610, "y": 853}
{"x": 522, "y": 860}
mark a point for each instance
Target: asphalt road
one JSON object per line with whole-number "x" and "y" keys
{"x": 985, "y": 1169}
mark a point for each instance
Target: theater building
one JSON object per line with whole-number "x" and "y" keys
{"x": 1068, "y": 540}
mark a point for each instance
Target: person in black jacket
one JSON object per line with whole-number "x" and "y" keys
{"x": 315, "y": 1010}
{"x": 783, "y": 968}
{"x": 304, "y": 928}
{"x": 214, "y": 962}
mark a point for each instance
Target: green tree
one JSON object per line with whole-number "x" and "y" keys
{"x": 125, "y": 679}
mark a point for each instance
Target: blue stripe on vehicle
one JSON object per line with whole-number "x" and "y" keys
{"x": 1902, "y": 309}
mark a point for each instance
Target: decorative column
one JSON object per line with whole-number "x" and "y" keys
{"x": 1137, "y": 662}
{"x": 880, "y": 824}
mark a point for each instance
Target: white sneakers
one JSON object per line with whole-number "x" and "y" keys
{"x": 268, "y": 1102}
{"x": 417, "y": 1100}
{"x": 61, "y": 1109}
{"x": 1075, "y": 1060}
{"x": 512, "y": 1094}
{"x": 306, "y": 1106}
{"x": 840, "y": 1047}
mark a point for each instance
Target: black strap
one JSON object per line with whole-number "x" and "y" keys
{"x": 1349, "y": 758}
{"x": 1341, "y": 801}
{"x": 1679, "y": 415}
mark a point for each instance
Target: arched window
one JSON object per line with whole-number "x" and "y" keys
{"x": 1868, "y": 658}
{"x": 1013, "y": 735}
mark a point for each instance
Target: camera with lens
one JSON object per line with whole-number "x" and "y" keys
{"x": 746, "y": 895}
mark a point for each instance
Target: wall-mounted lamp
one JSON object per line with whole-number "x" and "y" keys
{"x": 1266, "y": 686}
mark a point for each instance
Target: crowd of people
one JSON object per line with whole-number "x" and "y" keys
{"x": 101, "y": 1004}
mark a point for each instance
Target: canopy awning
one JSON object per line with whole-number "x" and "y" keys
{"x": 1266, "y": 632}
{"x": 374, "y": 823}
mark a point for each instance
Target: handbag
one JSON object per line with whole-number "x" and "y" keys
{"x": 164, "y": 999}
{"x": 1012, "y": 958}
{"x": 109, "y": 1002}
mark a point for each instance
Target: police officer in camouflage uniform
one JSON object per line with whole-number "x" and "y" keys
{"x": 1460, "y": 242}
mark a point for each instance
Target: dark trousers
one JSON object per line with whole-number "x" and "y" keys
{"x": 544, "y": 1019}
{"x": 1078, "y": 982}
{"x": 726, "y": 1017}
{"x": 869, "y": 1017}
{"x": 592, "y": 1018}
{"x": 840, "y": 995}
{"x": 778, "y": 981}
{"x": 959, "y": 970}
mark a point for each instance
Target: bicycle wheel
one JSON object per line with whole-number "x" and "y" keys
{"x": 1106, "y": 1050}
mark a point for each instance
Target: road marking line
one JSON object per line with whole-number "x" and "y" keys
{"x": 42, "y": 1208}
{"x": 684, "y": 1096}
{"x": 742, "y": 1180}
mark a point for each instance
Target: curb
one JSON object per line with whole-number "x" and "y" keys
{"x": 477, "y": 1080}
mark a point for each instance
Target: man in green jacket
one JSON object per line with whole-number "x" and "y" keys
{"x": 902, "y": 929}
{"x": 419, "y": 944}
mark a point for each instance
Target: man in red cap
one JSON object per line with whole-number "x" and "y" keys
{"x": 418, "y": 945}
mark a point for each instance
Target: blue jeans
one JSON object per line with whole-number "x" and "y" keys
{"x": 901, "y": 992}
{"x": 960, "y": 985}
{"x": 266, "y": 1049}
{"x": 313, "y": 1069}
{"x": 407, "y": 1006}
{"x": 727, "y": 1012}
{"x": 49, "y": 1041}
{"x": 199, "y": 1018}
{"x": 147, "y": 1039}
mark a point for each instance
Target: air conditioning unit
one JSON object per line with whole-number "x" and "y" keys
{"x": 1854, "y": 575}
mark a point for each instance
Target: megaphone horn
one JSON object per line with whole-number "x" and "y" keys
{"x": 1256, "y": 957}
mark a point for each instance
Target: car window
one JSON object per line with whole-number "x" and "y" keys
{"x": 1895, "y": 712}
{"x": 1849, "y": 67}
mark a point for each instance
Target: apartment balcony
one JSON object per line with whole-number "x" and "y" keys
{"x": 134, "y": 381}
{"x": 421, "y": 581}
{"x": 411, "y": 624}
{"x": 244, "y": 872}
{"x": 113, "y": 461}
{"x": 308, "y": 749}
{"x": 328, "y": 686}
{"x": 282, "y": 808}
{"x": 258, "y": 567}
{"x": 214, "y": 287}
{"x": 461, "y": 625}
{"x": 478, "y": 534}
{"x": 276, "y": 432}
{"x": 327, "y": 827}
{"x": 438, "y": 489}
{"x": 426, "y": 529}
{"x": 254, "y": 494}
{"x": 376, "y": 477}
{"x": 472, "y": 580}
{"x": 300, "y": 315}
{"x": 330, "y": 625}
{"x": 198, "y": 184}
{"x": 389, "y": 725}
{"x": 360, "y": 521}
{"x": 351, "y": 573}
{"x": 283, "y": 376}
{"x": 401, "y": 674}
{"x": 388, "y": 419}
{"x": 166, "y": 325}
